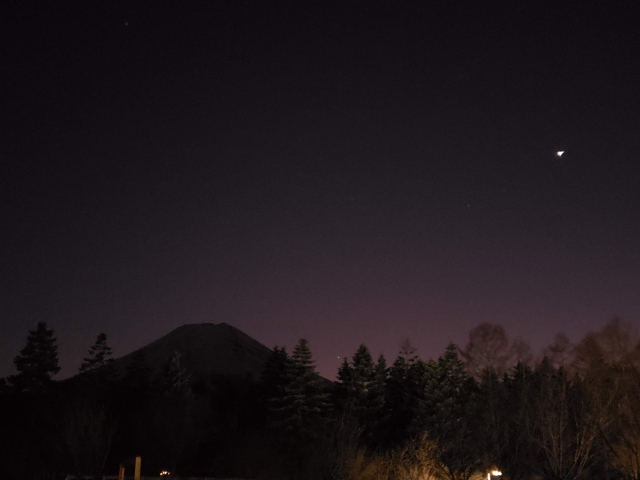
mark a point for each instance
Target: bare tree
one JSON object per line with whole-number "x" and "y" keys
{"x": 625, "y": 438}
{"x": 86, "y": 431}
{"x": 564, "y": 430}
{"x": 608, "y": 361}
{"x": 560, "y": 352}
{"x": 488, "y": 349}
{"x": 521, "y": 352}
{"x": 615, "y": 343}
{"x": 417, "y": 460}
{"x": 618, "y": 341}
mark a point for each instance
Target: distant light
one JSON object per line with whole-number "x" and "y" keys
{"x": 496, "y": 473}
{"x": 164, "y": 473}
{"x": 559, "y": 154}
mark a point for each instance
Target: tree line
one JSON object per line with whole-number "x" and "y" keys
{"x": 571, "y": 413}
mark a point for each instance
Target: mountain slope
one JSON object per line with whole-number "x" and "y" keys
{"x": 207, "y": 349}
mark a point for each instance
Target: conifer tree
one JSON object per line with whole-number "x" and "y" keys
{"x": 362, "y": 371}
{"x": 273, "y": 381}
{"x": 37, "y": 361}
{"x": 403, "y": 389}
{"x": 305, "y": 404}
{"x": 380, "y": 375}
{"x": 274, "y": 374}
{"x": 398, "y": 409}
{"x": 176, "y": 381}
{"x": 138, "y": 373}
{"x": 174, "y": 413}
{"x": 360, "y": 391}
{"x": 375, "y": 416}
{"x": 99, "y": 365}
{"x": 341, "y": 393}
{"x": 99, "y": 355}
{"x": 445, "y": 411}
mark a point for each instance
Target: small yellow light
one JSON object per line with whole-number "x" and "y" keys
{"x": 496, "y": 473}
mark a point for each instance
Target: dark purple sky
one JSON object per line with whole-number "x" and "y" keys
{"x": 347, "y": 174}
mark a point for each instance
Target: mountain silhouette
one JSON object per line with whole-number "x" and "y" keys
{"x": 206, "y": 350}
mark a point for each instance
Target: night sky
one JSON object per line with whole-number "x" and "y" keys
{"x": 346, "y": 172}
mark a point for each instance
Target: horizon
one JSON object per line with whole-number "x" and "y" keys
{"x": 325, "y": 367}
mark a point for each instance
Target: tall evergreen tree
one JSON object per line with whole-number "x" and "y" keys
{"x": 37, "y": 361}
{"x": 273, "y": 381}
{"x": 305, "y": 403}
{"x": 175, "y": 379}
{"x": 341, "y": 394}
{"x": 360, "y": 391}
{"x": 398, "y": 403}
{"x": 446, "y": 412}
{"x": 403, "y": 391}
{"x": 274, "y": 373}
{"x": 99, "y": 355}
{"x": 375, "y": 418}
{"x": 381, "y": 372}
{"x": 99, "y": 366}
{"x": 138, "y": 374}
{"x": 361, "y": 378}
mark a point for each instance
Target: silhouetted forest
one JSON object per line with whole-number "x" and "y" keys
{"x": 570, "y": 412}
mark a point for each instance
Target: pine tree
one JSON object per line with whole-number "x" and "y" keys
{"x": 272, "y": 384}
{"x": 341, "y": 394}
{"x": 305, "y": 403}
{"x": 446, "y": 410}
{"x": 398, "y": 408}
{"x": 375, "y": 417}
{"x": 99, "y": 355}
{"x": 138, "y": 374}
{"x": 360, "y": 391}
{"x": 380, "y": 376}
{"x": 176, "y": 381}
{"x": 362, "y": 372}
{"x": 37, "y": 362}
{"x": 354, "y": 380}
{"x": 137, "y": 380}
{"x": 99, "y": 366}
{"x": 274, "y": 374}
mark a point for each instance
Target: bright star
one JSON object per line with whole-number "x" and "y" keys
{"x": 559, "y": 154}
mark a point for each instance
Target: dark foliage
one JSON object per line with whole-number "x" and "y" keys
{"x": 558, "y": 420}
{"x": 37, "y": 362}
